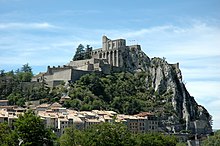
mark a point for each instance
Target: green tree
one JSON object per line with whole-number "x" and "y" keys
{"x": 102, "y": 134}
{"x": 7, "y": 136}
{"x": 24, "y": 76}
{"x": 71, "y": 137}
{"x": 27, "y": 76}
{"x": 181, "y": 144}
{"x": 75, "y": 103}
{"x": 13, "y": 98}
{"x": 31, "y": 129}
{"x": 111, "y": 134}
{"x": 2, "y": 73}
{"x": 25, "y": 73}
{"x": 88, "y": 51}
{"x": 94, "y": 83}
{"x": 26, "y": 68}
{"x": 155, "y": 139}
{"x": 80, "y": 51}
{"x": 212, "y": 140}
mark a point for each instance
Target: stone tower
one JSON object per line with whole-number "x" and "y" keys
{"x": 104, "y": 43}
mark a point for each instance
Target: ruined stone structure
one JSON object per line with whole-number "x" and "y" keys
{"x": 103, "y": 60}
{"x": 111, "y": 52}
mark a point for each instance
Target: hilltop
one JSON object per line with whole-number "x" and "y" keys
{"x": 121, "y": 78}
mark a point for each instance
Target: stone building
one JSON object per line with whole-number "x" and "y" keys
{"x": 3, "y": 102}
{"x": 103, "y": 60}
{"x": 140, "y": 123}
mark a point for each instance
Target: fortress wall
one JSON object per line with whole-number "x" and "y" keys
{"x": 64, "y": 75}
{"x": 86, "y": 67}
{"x": 76, "y": 74}
{"x": 49, "y": 80}
{"x": 111, "y": 56}
{"x": 108, "y": 44}
{"x": 96, "y": 51}
{"x": 48, "y": 77}
{"x": 97, "y": 60}
{"x": 80, "y": 63}
{"x": 34, "y": 79}
{"x": 97, "y": 67}
{"x": 57, "y": 77}
{"x": 95, "y": 55}
{"x": 54, "y": 83}
{"x": 54, "y": 69}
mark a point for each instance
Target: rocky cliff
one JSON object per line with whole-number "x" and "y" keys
{"x": 166, "y": 79}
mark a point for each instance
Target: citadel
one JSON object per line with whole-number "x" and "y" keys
{"x": 110, "y": 58}
{"x": 177, "y": 108}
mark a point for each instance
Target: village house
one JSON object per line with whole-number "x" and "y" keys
{"x": 58, "y": 118}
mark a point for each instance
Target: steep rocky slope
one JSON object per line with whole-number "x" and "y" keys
{"x": 166, "y": 78}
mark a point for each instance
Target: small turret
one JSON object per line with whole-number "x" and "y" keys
{"x": 104, "y": 42}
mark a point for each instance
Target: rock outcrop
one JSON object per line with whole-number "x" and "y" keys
{"x": 166, "y": 78}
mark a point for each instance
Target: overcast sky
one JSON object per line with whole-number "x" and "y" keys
{"x": 46, "y": 32}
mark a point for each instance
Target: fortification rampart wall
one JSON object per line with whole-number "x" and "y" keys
{"x": 76, "y": 74}
{"x": 63, "y": 75}
{"x": 51, "y": 70}
{"x": 87, "y": 67}
{"x": 80, "y": 63}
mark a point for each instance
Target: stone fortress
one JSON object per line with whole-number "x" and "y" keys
{"x": 110, "y": 58}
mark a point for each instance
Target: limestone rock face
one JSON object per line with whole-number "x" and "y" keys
{"x": 135, "y": 60}
{"x": 165, "y": 78}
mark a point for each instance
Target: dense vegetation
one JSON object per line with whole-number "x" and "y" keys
{"x": 11, "y": 84}
{"x": 122, "y": 92}
{"x": 16, "y": 86}
{"x": 113, "y": 134}
{"x": 213, "y": 140}
{"x": 29, "y": 130}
